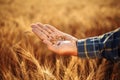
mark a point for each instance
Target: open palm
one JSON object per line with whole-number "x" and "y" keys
{"x": 57, "y": 41}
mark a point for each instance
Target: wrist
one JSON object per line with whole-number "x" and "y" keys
{"x": 75, "y": 50}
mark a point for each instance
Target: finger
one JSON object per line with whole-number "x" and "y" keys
{"x": 40, "y": 34}
{"x": 33, "y": 25}
{"x": 45, "y": 28}
{"x": 47, "y": 31}
{"x": 40, "y": 27}
{"x": 53, "y": 29}
{"x": 53, "y": 34}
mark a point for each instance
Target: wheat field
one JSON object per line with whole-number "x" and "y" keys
{"x": 24, "y": 57}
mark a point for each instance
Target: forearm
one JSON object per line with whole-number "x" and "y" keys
{"x": 89, "y": 48}
{"x": 104, "y": 46}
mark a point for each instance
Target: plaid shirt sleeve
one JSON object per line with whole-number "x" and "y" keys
{"x": 104, "y": 46}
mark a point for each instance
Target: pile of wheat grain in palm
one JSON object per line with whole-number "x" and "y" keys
{"x": 24, "y": 57}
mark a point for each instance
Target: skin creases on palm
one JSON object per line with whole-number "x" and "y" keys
{"x": 60, "y": 36}
{"x": 57, "y": 38}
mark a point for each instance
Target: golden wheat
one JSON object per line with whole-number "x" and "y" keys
{"x": 24, "y": 57}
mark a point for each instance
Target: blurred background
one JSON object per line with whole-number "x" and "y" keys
{"x": 77, "y": 17}
{"x": 21, "y": 49}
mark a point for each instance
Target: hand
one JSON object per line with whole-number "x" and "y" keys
{"x": 56, "y": 41}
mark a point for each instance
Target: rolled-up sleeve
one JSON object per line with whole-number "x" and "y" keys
{"x": 104, "y": 46}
